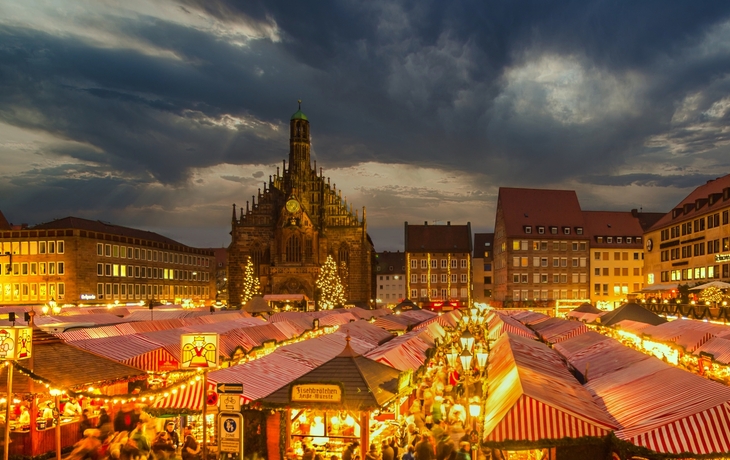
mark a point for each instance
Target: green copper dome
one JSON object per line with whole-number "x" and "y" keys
{"x": 299, "y": 115}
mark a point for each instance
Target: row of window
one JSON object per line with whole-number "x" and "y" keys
{"x": 696, "y": 249}
{"x": 696, "y": 273}
{"x": 128, "y": 252}
{"x": 111, "y": 291}
{"x": 440, "y": 295}
{"x": 553, "y": 230}
{"x": 524, "y": 245}
{"x": 543, "y": 278}
{"x": 618, "y": 239}
{"x": 547, "y": 294}
{"x": 444, "y": 263}
{"x": 543, "y": 262}
{"x": 34, "y": 268}
{"x": 136, "y": 271}
{"x": 617, "y": 255}
{"x": 617, "y": 271}
{"x": 698, "y": 225}
{"x": 24, "y": 248}
{"x": 388, "y": 286}
{"x": 444, "y": 278}
{"x": 618, "y": 289}
{"x": 395, "y": 277}
{"x": 32, "y": 291}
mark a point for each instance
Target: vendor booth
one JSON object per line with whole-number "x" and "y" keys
{"x": 55, "y": 376}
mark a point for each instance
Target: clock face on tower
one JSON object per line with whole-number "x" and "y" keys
{"x": 292, "y": 206}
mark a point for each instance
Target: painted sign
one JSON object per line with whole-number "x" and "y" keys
{"x": 316, "y": 392}
{"x": 230, "y": 427}
{"x": 88, "y": 296}
{"x": 722, "y": 257}
{"x": 16, "y": 342}
{"x": 199, "y": 351}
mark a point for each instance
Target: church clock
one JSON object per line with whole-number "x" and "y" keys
{"x": 292, "y": 206}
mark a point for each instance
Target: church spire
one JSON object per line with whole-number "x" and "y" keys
{"x": 299, "y": 145}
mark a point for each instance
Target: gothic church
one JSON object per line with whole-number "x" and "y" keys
{"x": 291, "y": 227}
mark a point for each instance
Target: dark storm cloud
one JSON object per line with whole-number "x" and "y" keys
{"x": 523, "y": 93}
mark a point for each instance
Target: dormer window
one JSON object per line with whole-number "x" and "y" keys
{"x": 541, "y": 230}
{"x": 676, "y": 212}
{"x": 638, "y": 239}
{"x": 554, "y": 230}
{"x": 528, "y": 229}
{"x": 579, "y": 230}
{"x": 566, "y": 230}
{"x": 628, "y": 239}
{"x": 599, "y": 239}
{"x": 609, "y": 239}
{"x": 619, "y": 239}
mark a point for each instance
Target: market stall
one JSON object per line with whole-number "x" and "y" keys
{"x": 56, "y": 372}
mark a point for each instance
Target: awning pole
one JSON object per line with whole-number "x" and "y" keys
{"x": 8, "y": 401}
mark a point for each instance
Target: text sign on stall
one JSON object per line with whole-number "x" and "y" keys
{"x": 316, "y": 392}
{"x": 199, "y": 351}
{"x": 230, "y": 429}
{"x": 16, "y": 342}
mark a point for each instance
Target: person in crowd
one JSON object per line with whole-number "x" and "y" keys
{"x": 373, "y": 454}
{"x": 424, "y": 449}
{"x": 190, "y": 447}
{"x": 162, "y": 446}
{"x": 174, "y": 437}
{"x": 47, "y": 413}
{"x": 85, "y": 423}
{"x": 409, "y": 455}
{"x": 308, "y": 453}
{"x": 349, "y": 452}
{"x": 24, "y": 418}
{"x": 386, "y": 452}
{"x": 126, "y": 419}
{"x": 445, "y": 447}
{"x": 394, "y": 445}
{"x": 72, "y": 408}
{"x": 464, "y": 451}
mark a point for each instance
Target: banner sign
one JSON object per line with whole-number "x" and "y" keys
{"x": 316, "y": 392}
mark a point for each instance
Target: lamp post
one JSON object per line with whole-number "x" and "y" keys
{"x": 451, "y": 357}
{"x": 467, "y": 341}
{"x": 465, "y": 359}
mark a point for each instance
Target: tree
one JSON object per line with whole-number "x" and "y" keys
{"x": 712, "y": 295}
{"x": 251, "y": 286}
{"x": 330, "y": 287}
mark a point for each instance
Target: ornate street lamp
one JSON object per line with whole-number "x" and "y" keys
{"x": 467, "y": 340}
{"x": 482, "y": 356}
{"x": 465, "y": 358}
{"x": 451, "y": 357}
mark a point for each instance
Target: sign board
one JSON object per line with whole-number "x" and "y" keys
{"x": 88, "y": 297}
{"x": 316, "y": 392}
{"x": 229, "y": 403}
{"x": 229, "y": 388}
{"x": 722, "y": 257}
{"x": 16, "y": 342}
{"x": 211, "y": 399}
{"x": 199, "y": 351}
{"x": 230, "y": 432}
{"x": 167, "y": 365}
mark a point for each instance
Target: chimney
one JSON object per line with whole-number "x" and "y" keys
{"x": 448, "y": 222}
{"x": 425, "y": 222}
{"x": 634, "y": 212}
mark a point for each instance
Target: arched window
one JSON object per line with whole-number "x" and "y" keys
{"x": 343, "y": 255}
{"x": 293, "y": 249}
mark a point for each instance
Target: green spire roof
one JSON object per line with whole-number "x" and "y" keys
{"x": 299, "y": 115}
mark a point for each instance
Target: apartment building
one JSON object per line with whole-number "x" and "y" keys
{"x": 541, "y": 248}
{"x": 482, "y": 260}
{"x": 390, "y": 278}
{"x": 616, "y": 254}
{"x": 691, "y": 243}
{"x": 438, "y": 264}
{"x": 81, "y": 261}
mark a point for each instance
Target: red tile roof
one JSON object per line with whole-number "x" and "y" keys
{"x": 612, "y": 223}
{"x": 697, "y": 203}
{"x": 438, "y": 238}
{"x": 483, "y": 242}
{"x": 523, "y": 207}
{"x": 104, "y": 227}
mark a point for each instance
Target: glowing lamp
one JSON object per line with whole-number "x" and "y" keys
{"x": 475, "y": 408}
{"x": 465, "y": 358}
{"x": 482, "y": 356}
{"x": 467, "y": 340}
{"x": 451, "y": 357}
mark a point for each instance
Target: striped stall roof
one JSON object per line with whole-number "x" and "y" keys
{"x": 528, "y": 317}
{"x": 315, "y": 351}
{"x": 118, "y": 348}
{"x": 363, "y": 330}
{"x": 604, "y": 358}
{"x": 635, "y": 327}
{"x": 554, "y": 330}
{"x": 300, "y": 318}
{"x": 533, "y": 396}
{"x": 419, "y": 315}
{"x": 367, "y": 314}
{"x": 389, "y": 323}
{"x": 505, "y": 323}
{"x": 153, "y": 360}
{"x": 337, "y": 319}
{"x": 574, "y": 345}
{"x": 450, "y": 320}
{"x": 191, "y": 397}
{"x": 718, "y": 347}
{"x": 407, "y": 351}
{"x": 671, "y": 330}
{"x": 691, "y": 340}
{"x": 583, "y": 316}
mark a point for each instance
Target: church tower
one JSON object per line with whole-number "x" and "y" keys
{"x": 290, "y": 228}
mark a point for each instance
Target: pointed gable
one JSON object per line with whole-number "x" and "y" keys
{"x": 4, "y": 224}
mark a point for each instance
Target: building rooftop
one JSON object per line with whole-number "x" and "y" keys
{"x": 390, "y": 262}
{"x": 713, "y": 195}
{"x": 4, "y": 224}
{"x": 438, "y": 238}
{"x": 483, "y": 242}
{"x": 612, "y": 223}
{"x": 524, "y": 207}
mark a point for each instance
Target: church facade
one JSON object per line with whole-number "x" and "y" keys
{"x": 291, "y": 227}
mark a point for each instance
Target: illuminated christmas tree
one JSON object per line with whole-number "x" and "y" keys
{"x": 251, "y": 286}
{"x": 712, "y": 295}
{"x": 331, "y": 292}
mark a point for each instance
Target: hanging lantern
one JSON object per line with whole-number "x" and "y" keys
{"x": 467, "y": 340}
{"x": 451, "y": 357}
{"x": 482, "y": 356}
{"x": 465, "y": 358}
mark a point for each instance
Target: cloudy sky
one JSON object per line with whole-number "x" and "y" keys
{"x": 162, "y": 114}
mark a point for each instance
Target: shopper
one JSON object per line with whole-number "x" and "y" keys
{"x": 190, "y": 447}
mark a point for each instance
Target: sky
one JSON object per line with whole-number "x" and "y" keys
{"x": 162, "y": 114}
